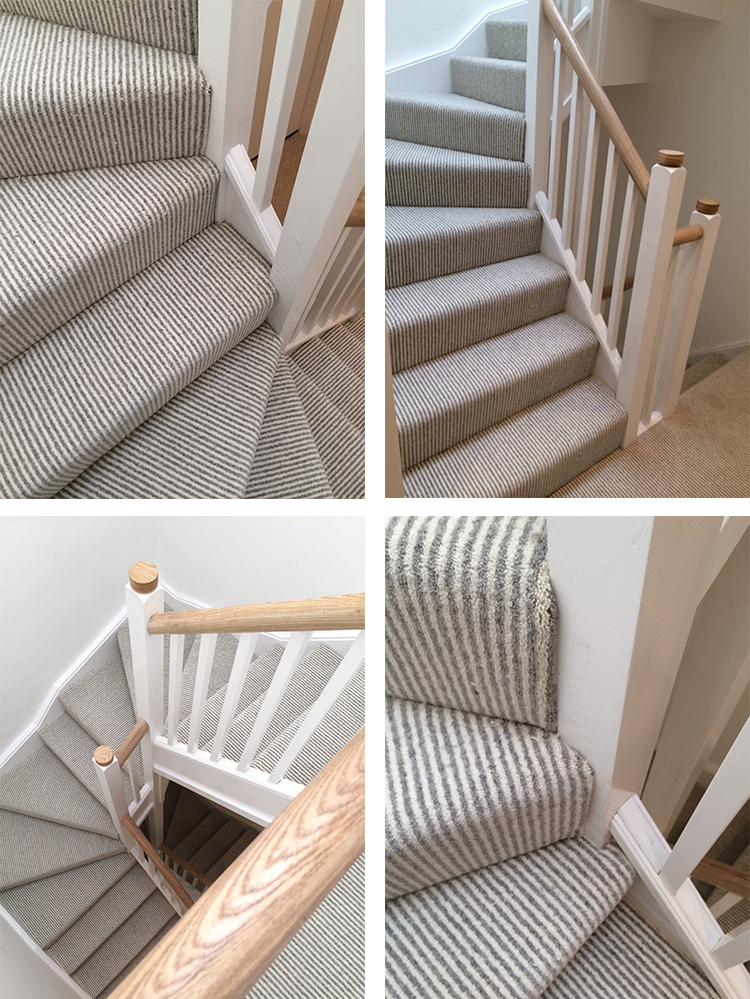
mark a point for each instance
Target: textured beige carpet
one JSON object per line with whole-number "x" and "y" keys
{"x": 703, "y": 450}
{"x": 701, "y": 370}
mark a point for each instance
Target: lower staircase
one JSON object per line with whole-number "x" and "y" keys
{"x": 492, "y": 890}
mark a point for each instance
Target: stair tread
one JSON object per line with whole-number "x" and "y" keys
{"x": 506, "y": 930}
{"x": 533, "y": 791}
{"x": 201, "y": 444}
{"x": 345, "y": 390}
{"x": 47, "y": 907}
{"x": 118, "y": 979}
{"x": 423, "y": 243}
{"x": 109, "y": 101}
{"x": 624, "y": 958}
{"x": 441, "y": 315}
{"x": 348, "y": 344}
{"x": 189, "y": 812}
{"x": 104, "y": 917}
{"x": 113, "y": 223}
{"x": 231, "y": 854}
{"x": 108, "y": 369}
{"x": 495, "y": 81}
{"x": 454, "y": 397}
{"x": 506, "y": 39}
{"x": 213, "y": 849}
{"x": 49, "y": 848}
{"x": 530, "y": 454}
{"x": 43, "y": 787}
{"x": 702, "y": 369}
{"x": 200, "y": 835}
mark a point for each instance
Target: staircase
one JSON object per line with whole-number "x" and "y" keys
{"x": 135, "y": 357}
{"x": 491, "y": 888}
{"x": 493, "y": 379}
{"x": 69, "y": 882}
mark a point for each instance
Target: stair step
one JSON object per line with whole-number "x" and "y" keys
{"x": 189, "y": 812}
{"x": 48, "y": 848}
{"x": 221, "y": 670}
{"x": 441, "y": 315}
{"x": 47, "y": 907}
{"x": 705, "y": 367}
{"x": 91, "y": 930}
{"x": 531, "y": 454}
{"x": 626, "y": 957}
{"x": 124, "y": 944}
{"x": 348, "y": 345}
{"x": 106, "y": 371}
{"x": 495, "y": 81}
{"x": 163, "y": 24}
{"x": 506, "y": 930}
{"x": 534, "y": 790}
{"x": 453, "y": 121}
{"x": 42, "y": 786}
{"x": 429, "y": 175}
{"x": 452, "y": 398}
{"x": 506, "y": 39}
{"x": 119, "y": 979}
{"x": 112, "y": 222}
{"x": 334, "y": 378}
{"x": 107, "y": 102}
{"x": 200, "y": 835}
{"x": 424, "y": 243}
{"x": 211, "y": 851}
{"x": 286, "y": 464}
{"x": 229, "y": 856}
{"x": 201, "y": 444}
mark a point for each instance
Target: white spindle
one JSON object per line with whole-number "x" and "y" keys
{"x": 200, "y": 693}
{"x": 587, "y": 197}
{"x": 539, "y": 74}
{"x": 734, "y": 948}
{"x": 134, "y": 781}
{"x": 724, "y": 904}
{"x": 621, "y": 264}
{"x": 290, "y": 660}
{"x": 176, "y": 657}
{"x": 557, "y": 123}
{"x": 605, "y": 225}
{"x": 110, "y": 778}
{"x": 571, "y": 172}
{"x": 241, "y": 665}
{"x": 726, "y": 794}
{"x": 333, "y": 690}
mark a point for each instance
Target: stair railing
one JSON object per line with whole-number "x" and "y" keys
{"x": 645, "y": 364}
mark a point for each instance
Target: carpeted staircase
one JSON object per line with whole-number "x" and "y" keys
{"x": 491, "y": 889}
{"x": 493, "y": 380}
{"x": 67, "y": 879}
{"x": 135, "y": 360}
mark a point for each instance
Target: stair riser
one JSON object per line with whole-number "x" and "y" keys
{"x": 493, "y": 81}
{"x": 506, "y": 40}
{"x": 504, "y": 185}
{"x": 453, "y": 128}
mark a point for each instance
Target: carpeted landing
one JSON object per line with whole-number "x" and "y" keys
{"x": 491, "y": 889}
{"x": 135, "y": 357}
{"x": 84, "y": 900}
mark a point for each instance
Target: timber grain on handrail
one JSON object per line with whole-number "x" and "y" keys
{"x": 157, "y": 861}
{"x": 615, "y": 128}
{"x": 222, "y": 946}
{"x": 346, "y": 612}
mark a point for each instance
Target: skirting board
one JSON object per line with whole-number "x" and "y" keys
{"x": 729, "y": 350}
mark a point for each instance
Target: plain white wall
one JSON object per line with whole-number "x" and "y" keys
{"x": 63, "y": 581}
{"x": 24, "y": 974}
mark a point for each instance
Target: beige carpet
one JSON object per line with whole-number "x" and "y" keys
{"x": 703, "y": 450}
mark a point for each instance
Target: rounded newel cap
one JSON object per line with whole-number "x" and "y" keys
{"x": 144, "y": 577}
{"x": 670, "y": 157}
{"x": 103, "y": 756}
{"x": 707, "y": 206}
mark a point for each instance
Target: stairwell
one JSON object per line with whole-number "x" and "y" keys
{"x": 135, "y": 356}
{"x": 491, "y": 888}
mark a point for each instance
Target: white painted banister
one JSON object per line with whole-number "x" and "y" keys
{"x": 242, "y": 659}
{"x": 110, "y": 778}
{"x": 735, "y": 948}
{"x": 200, "y": 692}
{"x": 176, "y": 655}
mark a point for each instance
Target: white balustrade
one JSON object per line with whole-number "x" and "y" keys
{"x": 240, "y": 667}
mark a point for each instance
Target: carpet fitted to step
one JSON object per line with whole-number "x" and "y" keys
{"x": 625, "y": 957}
{"x": 200, "y": 835}
{"x": 427, "y": 175}
{"x": 504, "y": 931}
{"x": 530, "y": 454}
{"x": 47, "y": 907}
{"x": 73, "y": 100}
{"x": 221, "y": 669}
{"x": 465, "y": 791}
{"x": 444, "y": 314}
{"x": 455, "y": 122}
{"x": 69, "y": 239}
{"x": 450, "y": 399}
{"x": 108, "y": 369}
{"x": 705, "y": 367}
{"x": 286, "y": 464}
{"x": 119, "y": 979}
{"x": 347, "y": 342}
{"x": 471, "y": 616}
{"x": 506, "y": 39}
{"x": 423, "y": 243}
{"x": 164, "y": 24}
{"x": 201, "y": 444}
{"x": 334, "y": 378}
{"x": 495, "y": 81}
{"x": 229, "y": 856}
{"x": 212, "y": 851}
{"x": 75, "y": 747}
{"x": 190, "y": 811}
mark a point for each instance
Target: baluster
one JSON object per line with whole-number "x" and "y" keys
{"x": 539, "y": 76}
{"x": 556, "y": 140}
{"x": 134, "y": 781}
{"x": 571, "y": 172}
{"x": 587, "y": 197}
{"x": 621, "y": 264}
{"x": 605, "y": 225}
{"x": 176, "y": 658}
{"x": 200, "y": 694}
{"x": 660, "y": 340}
{"x": 241, "y": 665}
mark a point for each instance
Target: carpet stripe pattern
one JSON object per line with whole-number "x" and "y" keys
{"x": 506, "y": 39}
{"x": 75, "y": 748}
{"x": 495, "y": 81}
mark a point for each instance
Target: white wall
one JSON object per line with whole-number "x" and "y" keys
{"x": 63, "y": 581}
{"x": 25, "y": 974}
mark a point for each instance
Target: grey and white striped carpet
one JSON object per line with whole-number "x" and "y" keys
{"x": 494, "y": 81}
{"x": 73, "y": 100}
{"x": 471, "y": 616}
{"x": 504, "y": 931}
{"x": 506, "y": 39}
{"x": 465, "y": 791}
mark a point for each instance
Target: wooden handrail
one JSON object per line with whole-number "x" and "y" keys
{"x": 203, "y": 878}
{"x": 235, "y": 930}
{"x": 720, "y": 875}
{"x": 316, "y": 613}
{"x": 169, "y": 876}
{"x": 687, "y": 234}
{"x": 357, "y": 215}
{"x": 131, "y": 740}
{"x": 615, "y": 128}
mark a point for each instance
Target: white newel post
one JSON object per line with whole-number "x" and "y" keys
{"x": 110, "y": 777}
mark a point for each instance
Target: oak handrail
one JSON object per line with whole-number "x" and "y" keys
{"x": 181, "y": 862}
{"x": 346, "y": 612}
{"x": 357, "y": 215}
{"x": 222, "y": 946}
{"x": 687, "y": 234}
{"x": 615, "y": 128}
{"x": 131, "y": 740}
{"x": 169, "y": 876}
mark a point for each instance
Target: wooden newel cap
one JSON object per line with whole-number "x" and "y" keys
{"x": 103, "y": 756}
{"x": 144, "y": 577}
{"x": 707, "y": 206}
{"x": 670, "y": 157}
